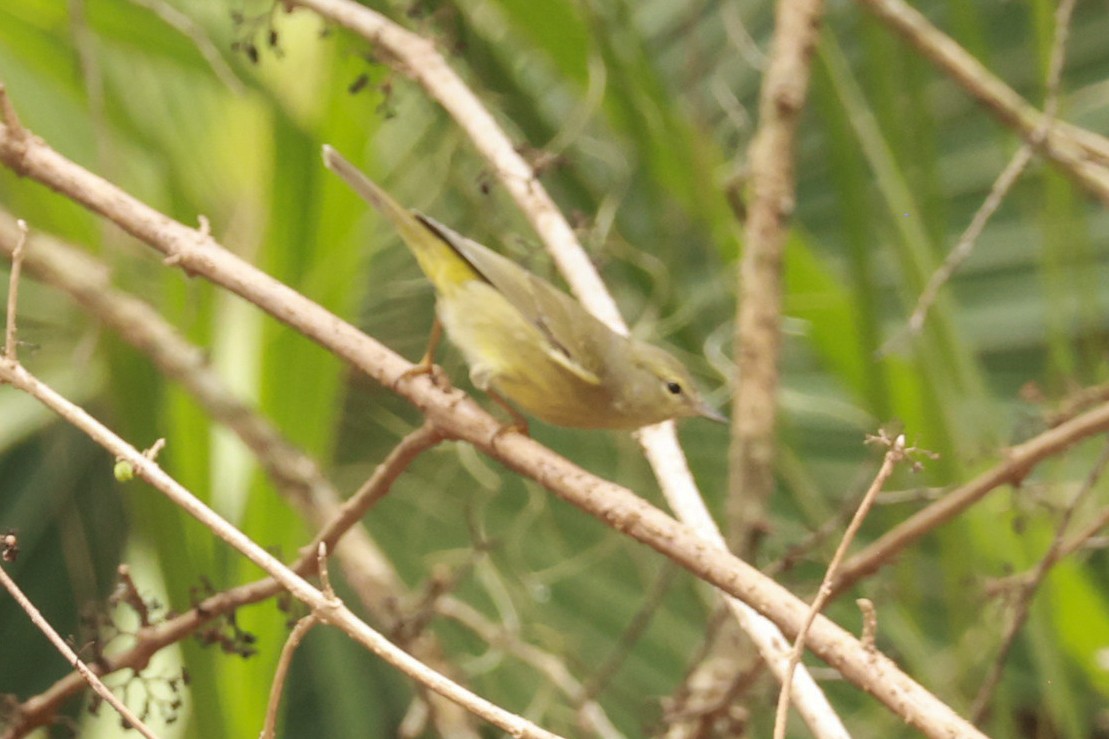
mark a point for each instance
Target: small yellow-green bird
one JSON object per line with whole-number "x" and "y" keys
{"x": 528, "y": 341}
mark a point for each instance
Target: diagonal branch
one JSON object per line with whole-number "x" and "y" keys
{"x": 1018, "y": 462}
{"x": 457, "y": 416}
{"x": 418, "y": 58}
{"x": 326, "y": 607}
{"x": 1029, "y": 586}
{"x": 37, "y": 711}
{"x": 87, "y": 674}
{"x": 1004, "y": 182}
{"x": 1082, "y": 155}
{"x": 293, "y": 473}
{"x": 897, "y": 452}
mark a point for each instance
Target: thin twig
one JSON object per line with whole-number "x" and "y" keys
{"x": 189, "y": 28}
{"x": 554, "y": 669}
{"x": 321, "y": 604}
{"x": 379, "y": 484}
{"x": 896, "y": 453}
{"x": 1076, "y": 403}
{"x": 9, "y": 116}
{"x": 84, "y": 670}
{"x": 1083, "y": 537}
{"x": 303, "y": 626}
{"x": 804, "y": 548}
{"x": 1081, "y": 540}
{"x": 1005, "y": 181}
{"x": 13, "y": 292}
{"x": 870, "y": 622}
{"x": 1081, "y": 154}
{"x": 1031, "y": 585}
{"x": 964, "y": 247}
{"x": 127, "y": 592}
{"x": 631, "y": 633}
{"x": 35, "y": 711}
{"x": 1017, "y": 462}
{"x": 689, "y": 506}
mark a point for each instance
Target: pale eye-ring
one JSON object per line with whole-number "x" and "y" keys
{"x": 674, "y": 388}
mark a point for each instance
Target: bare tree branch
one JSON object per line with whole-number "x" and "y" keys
{"x": 758, "y": 319}
{"x": 294, "y": 473}
{"x": 71, "y": 657}
{"x": 1029, "y": 586}
{"x": 1017, "y": 463}
{"x": 1081, "y": 154}
{"x": 328, "y": 609}
{"x": 895, "y": 454}
{"x": 1004, "y": 182}
{"x": 13, "y": 292}
{"x": 460, "y": 417}
{"x": 419, "y": 59}
{"x": 37, "y": 711}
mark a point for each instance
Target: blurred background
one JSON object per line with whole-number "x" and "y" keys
{"x": 639, "y": 115}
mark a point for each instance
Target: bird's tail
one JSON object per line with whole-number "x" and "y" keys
{"x": 438, "y": 259}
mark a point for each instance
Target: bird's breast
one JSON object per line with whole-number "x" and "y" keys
{"x": 509, "y": 354}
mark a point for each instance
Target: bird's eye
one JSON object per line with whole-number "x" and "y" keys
{"x": 674, "y": 388}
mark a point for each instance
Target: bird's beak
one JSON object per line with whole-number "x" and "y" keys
{"x": 707, "y": 411}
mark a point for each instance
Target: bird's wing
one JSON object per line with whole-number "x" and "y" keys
{"x": 561, "y": 320}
